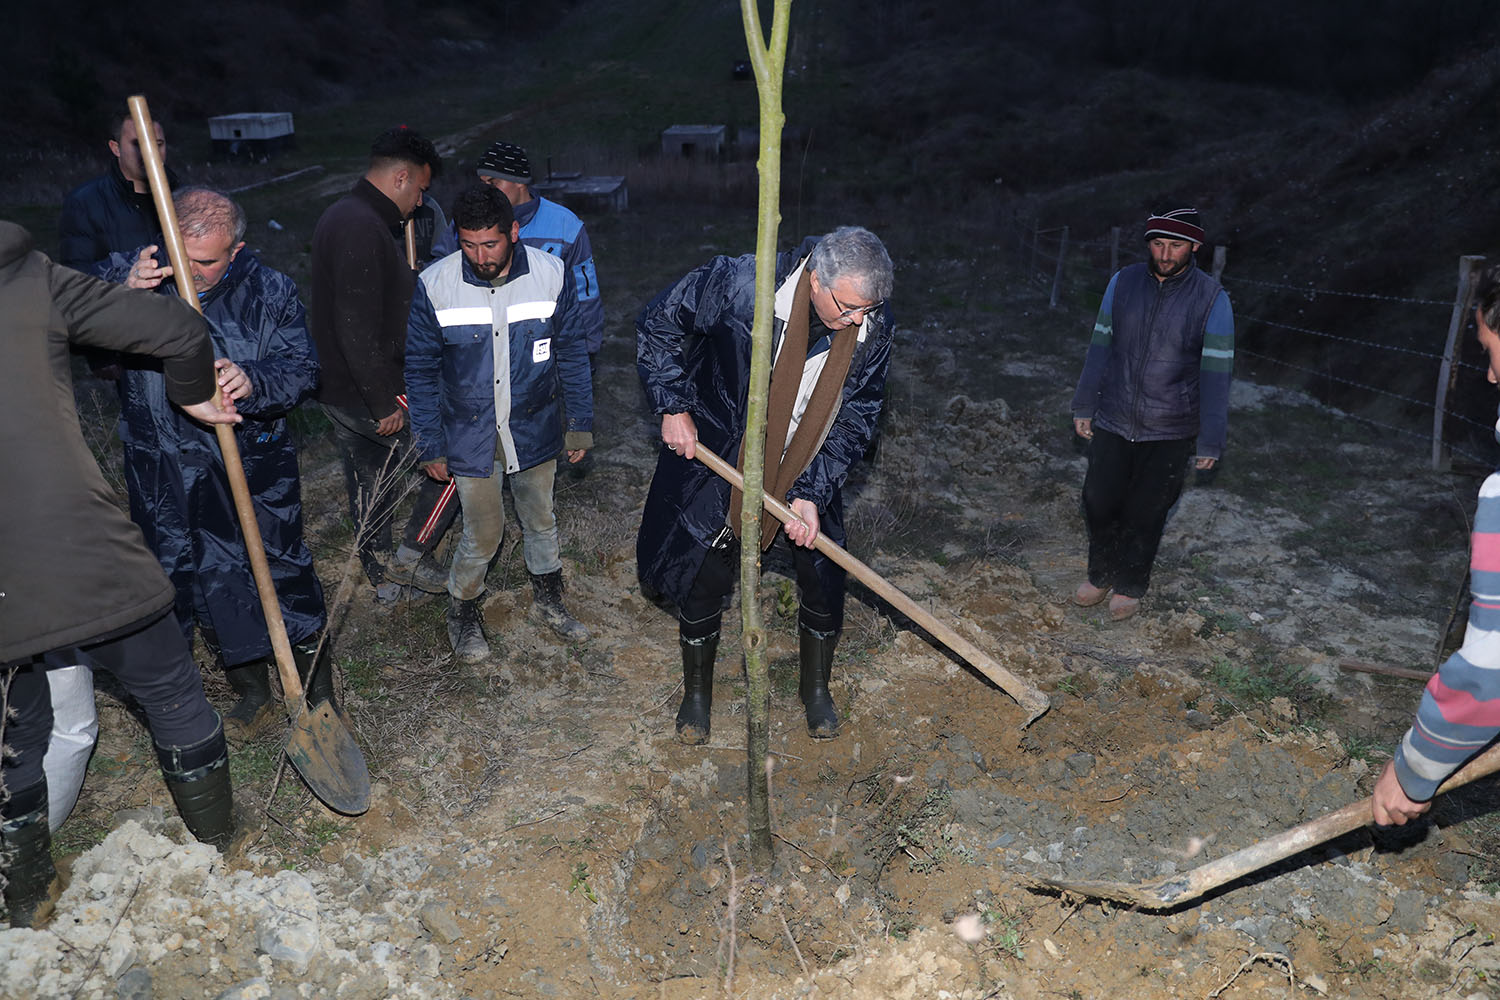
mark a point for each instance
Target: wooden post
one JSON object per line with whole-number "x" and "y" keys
{"x": 1468, "y": 267}
{"x": 1114, "y": 249}
{"x": 1062, "y": 253}
{"x": 1221, "y": 257}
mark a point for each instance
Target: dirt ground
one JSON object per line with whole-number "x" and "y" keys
{"x": 537, "y": 832}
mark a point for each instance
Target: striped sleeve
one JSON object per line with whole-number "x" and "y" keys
{"x": 1215, "y": 369}
{"x": 1460, "y": 710}
{"x": 1086, "y": 396}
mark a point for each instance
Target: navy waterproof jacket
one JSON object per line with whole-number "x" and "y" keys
{"x": 174, "y": 472}
{"x": 693, "y": 355}
{"x": 107, "y": 215}
{"x": 459, "y": 408}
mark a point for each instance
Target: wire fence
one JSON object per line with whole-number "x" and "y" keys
{"x": 1395, "y": 382}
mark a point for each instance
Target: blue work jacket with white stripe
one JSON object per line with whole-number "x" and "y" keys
{"x": 466, "y": 335}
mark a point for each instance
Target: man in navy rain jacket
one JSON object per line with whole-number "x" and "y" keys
{"x": 111, "y": 213}
{"x": 493, "y": 353}
{"x": 174, "y": 472}
{"x": 693, "y": 353}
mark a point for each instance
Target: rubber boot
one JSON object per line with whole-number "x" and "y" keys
{"x": 198, "y": 778}
{"x": 697, "y": 687}
{"x": 252, "y": 682}
{"x": 547, "y": 607}
{"x": 466, "y": 630}
{"x": 817, "y": 667}
{"x": 31, "y": 882}
{"x": 316, "y": 674}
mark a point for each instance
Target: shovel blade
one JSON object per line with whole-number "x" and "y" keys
{"x": 323, "y": 751}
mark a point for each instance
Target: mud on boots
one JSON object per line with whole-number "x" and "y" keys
{"x": 251, "y": 682}
{"x": 819, "y": 635}
{"x": 32, "y": 884}
{"x": 700, "y": 645}
{"x": 547, "y": 607}
{"x": 466, "y": 629}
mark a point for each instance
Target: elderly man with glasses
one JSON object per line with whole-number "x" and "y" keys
{"x": 831, "y": 351}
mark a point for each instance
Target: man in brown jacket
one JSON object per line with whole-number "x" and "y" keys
{"x": 77, "y": 584}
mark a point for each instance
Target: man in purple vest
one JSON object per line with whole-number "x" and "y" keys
{"x": 1154, "y": 393}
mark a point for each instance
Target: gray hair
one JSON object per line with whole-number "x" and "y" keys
{"x": 856, "y": 254}
{"x": 202, "y": 211}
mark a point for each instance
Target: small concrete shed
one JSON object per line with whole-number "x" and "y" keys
{"x": 251, "y": 135}
{"x": 693, "y": 141}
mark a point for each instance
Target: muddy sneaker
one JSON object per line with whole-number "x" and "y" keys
{"x": 547, "y": 607}
{"x": 466, "y": 631}
{"x": 425, "y": 574}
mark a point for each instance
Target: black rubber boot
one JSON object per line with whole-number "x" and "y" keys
{"x": 315, "y": 672}
{"x": 252, "y": 682}
{"x": 198, "y": 778}
{"x": 547, "y": 607}
{"x": 698, "y": 654}
{"x": 817, "y": 667}
{"x": 31, "y": 883}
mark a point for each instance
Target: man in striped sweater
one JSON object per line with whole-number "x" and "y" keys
{"x": 1155, "y": 380}
{"x": 1460, "y": 711}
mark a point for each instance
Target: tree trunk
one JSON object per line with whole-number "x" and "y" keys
{"x": 769, "y": 61}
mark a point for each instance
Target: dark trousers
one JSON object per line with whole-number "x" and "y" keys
{"x": 1128, "y": 491}
{"x": 152, "y": 662}
{"x": 820, "y": 588}
{"x": 375, "y": 475}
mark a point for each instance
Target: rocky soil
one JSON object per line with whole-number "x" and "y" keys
{"x": 537, "y": 832}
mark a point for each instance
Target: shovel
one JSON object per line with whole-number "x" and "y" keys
{"x": 1179, "y": 889}
{"x": 320, "y": 746}
{"x": 1025, "y": 695}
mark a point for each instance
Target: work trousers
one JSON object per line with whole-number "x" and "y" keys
{"x": 1128, "y": 491}
{"x": 820, "y": 590}
{"x": 152, "y": 662}
{"x": 483, "y": 503}
{"x": 375, "y": 476}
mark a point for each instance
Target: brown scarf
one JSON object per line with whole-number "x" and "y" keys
{"x": 782, "y": 469}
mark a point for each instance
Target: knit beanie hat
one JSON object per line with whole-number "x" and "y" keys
{"x": 1179, "y": 224}
{"x": 506, "y": 162}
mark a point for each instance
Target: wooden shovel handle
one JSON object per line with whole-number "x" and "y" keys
{"x": 1351, "y": 817}
{"x": 1028, "y": 697}
{"x": 166, "y": 212}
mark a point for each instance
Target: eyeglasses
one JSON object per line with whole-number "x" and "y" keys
{"x": 849, "y": 311}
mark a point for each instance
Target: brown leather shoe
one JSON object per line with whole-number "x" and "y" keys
{"x": 1087, "y": 595}
{"x": 1122, "y": 607}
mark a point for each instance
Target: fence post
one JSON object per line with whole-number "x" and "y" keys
{"x": 1114, "y": 249}
{"x": 1062, "y": 252}
{"x": 1468, "y": 267}
{"x": 1221, "y": 257}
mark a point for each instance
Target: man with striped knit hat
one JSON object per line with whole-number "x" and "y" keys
{"x": 1460, "y": 711}
{"x": 1155, "y": 383}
